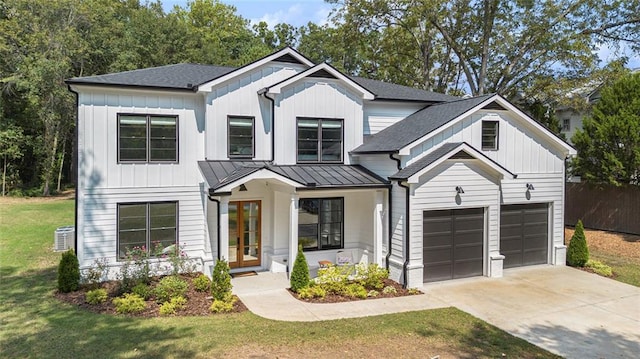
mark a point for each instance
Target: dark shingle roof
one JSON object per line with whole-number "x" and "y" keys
{"x": 425, "y": 161}
{"x": 389, "y": 91}
{"x": 179, "y": 77}
{"x": 220, "y": 173}
{"x": 418, "y": 124}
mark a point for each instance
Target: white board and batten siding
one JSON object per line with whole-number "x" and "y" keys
{"x": 520, "y": 148}
{"x": 239, "y": 97}
{"x": 316, "y": 98}
{"x": 103, "y": 182}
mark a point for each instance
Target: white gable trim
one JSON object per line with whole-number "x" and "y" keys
{"x": 567, "y": 149}
{"x": 277, "y": 88}
{"x": 208, "y": 86}
{"x": 263, "y": 173}
{"x": 471, "y": 151}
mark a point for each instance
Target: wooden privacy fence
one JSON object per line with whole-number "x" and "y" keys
{"x": 603, "y": 207}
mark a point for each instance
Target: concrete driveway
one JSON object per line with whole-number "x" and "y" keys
{"x": 564, "y": 310}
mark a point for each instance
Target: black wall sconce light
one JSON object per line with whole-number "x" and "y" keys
{"x": 243, "y": 188}
{"x": 530, "y": 187}
{"x": 459, "y": 190}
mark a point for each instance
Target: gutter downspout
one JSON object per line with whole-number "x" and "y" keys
{"x": 389, "y": 219}
{"x": 76, "y": 150}
{"x": 263, "y": 92}
{"x": 218, "y": 221}
{"x": 406, "y": 236}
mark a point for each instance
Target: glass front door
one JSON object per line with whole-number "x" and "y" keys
{"x": 244, "y": 234}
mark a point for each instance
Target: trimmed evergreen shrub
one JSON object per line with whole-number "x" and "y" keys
{"x": 201, "y": 283}
{"x": 300, "y": 272}
{"x": 68, "y": 272}
{"x": 221, "y": 281}
{"x": 129, "y": 303}
{"x": 173, "y": 305}
{"x": 96, "y": 296}
{"x": 223, "y": 306}
{"x": 169, "y": 287}
{"x": 142, "y": 290}
{"x": 578, "y": 252}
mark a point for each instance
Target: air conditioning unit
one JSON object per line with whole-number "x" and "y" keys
{"x": 64, "y": 238}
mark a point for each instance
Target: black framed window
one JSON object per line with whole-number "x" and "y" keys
{"x": 240, "y": 136}
{"x": 147, "y": 138}
{"x": 566, "y": 125}
{"x": 489, "y": 135}
{"x": 150, "y": 227}
{"x": 320, "y": 223}
{"x": 319, "y": 140}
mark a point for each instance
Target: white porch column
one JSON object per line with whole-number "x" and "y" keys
{"x": 224, "y": 228}
{"x": 378, "y": 227}
{"x": 293, "y": 230}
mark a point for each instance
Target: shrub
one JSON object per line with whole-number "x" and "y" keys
{"x": 169, "y": 287}
{"x": 179, "y": 261}
{"x": 97, "y": 273}
{"x": 355, "y": 290}
{"x": 309, "y": 292}
{"x": 300, "y": 272}
{"x": 371, "y": 276}
{"x": 129, "y": 303}
{"x": 578, "y": 252}
{"x": 221, "y": 281}
{"x": 68, "y": 272}
{"x": 222, "y": 306}
{"x": 96, "y": 296}
{"x": 372, "y": 293}
{"x": 173, "y": 305}
{"x": 201, "y": 283}
{"x": 599, "y": 268}
{"x": 142, "y": 290}
{"x": 413, "y": 291}
{"x": 389, "y": 290}
{"x": 333, "y": 279}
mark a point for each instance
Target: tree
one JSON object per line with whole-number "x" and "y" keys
{"x": 609, "y": 143}
{"x": 578, "y": 252}
{"x": 11, "y": 140}
{"x": 68, "y": 272}
{"x": 221, "y": 281}
{"x": 488, "y": 45}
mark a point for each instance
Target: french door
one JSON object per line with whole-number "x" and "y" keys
{"x": 244, "y": 234}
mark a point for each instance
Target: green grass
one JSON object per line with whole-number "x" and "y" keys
{"x": 34, "y": 324}
{"x": 626, "y": 270}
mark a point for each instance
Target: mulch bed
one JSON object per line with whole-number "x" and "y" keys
{"x": 198, "y": 303}
{"x": 336, "y": 298}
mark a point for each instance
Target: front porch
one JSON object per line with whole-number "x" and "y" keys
{"x": 257, "y": 220}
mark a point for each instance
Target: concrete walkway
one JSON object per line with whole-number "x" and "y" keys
{"x": 564, "y": 310}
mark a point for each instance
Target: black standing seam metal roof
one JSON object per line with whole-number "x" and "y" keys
{"x": 435, "y": 155}
{"x": 322, "y": 176}
{"x": 417, "y": 125}
{"x": 190, "y": 76}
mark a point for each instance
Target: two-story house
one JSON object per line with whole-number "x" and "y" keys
{"x": 246, "y": 164}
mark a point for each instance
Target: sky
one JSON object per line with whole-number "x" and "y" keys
{"x": 300, "y": 12}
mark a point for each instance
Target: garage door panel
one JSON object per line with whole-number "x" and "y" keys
{"x": 453, "y": 244}
{"x": 524, "y": 234}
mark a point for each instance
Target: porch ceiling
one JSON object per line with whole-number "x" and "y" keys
{"x": 219, "y": 174}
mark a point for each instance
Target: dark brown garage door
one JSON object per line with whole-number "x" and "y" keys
{"x": 524, "y": 234}
{"x": 452, "y": 243}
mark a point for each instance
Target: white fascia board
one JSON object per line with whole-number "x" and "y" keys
{"x": 264, "y": 173}
{"x": 208, "y": 87}
{"x": 477, "y": 155}
{"x": 277, "y": 88}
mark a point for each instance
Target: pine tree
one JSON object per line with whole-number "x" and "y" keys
{"x": 68, "y": 272}
{"x": 300, "y": 272}
{"x": 221, "y": 281}
{"x": 578, "y": 252}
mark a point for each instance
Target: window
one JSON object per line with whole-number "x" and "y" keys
{"x": 566, "y": 125}
{"x": 240, "y": 136}
{"x": 147, "y": 138}
{"x": 150, "y": 227}
{"x": 489, "y": 135}
{"x": 320, "y": 223}
{"x": 319, "y": 140}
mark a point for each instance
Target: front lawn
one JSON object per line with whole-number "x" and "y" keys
{"x": 618, "y": 250}
{"x": 35, "y": 324}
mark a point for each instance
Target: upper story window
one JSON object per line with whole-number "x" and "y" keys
{"x": 319, "y": 140}
{"x": 489, "y": 135}
{"x": 148, "y": 228}
{"x": 566, "y": 125}
{"x": 240, "y": 137}
{"x": 147, "y": 138}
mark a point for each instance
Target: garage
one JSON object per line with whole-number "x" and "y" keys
{"x": 452, "y": 243}
{"x": 524, "y": 234}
